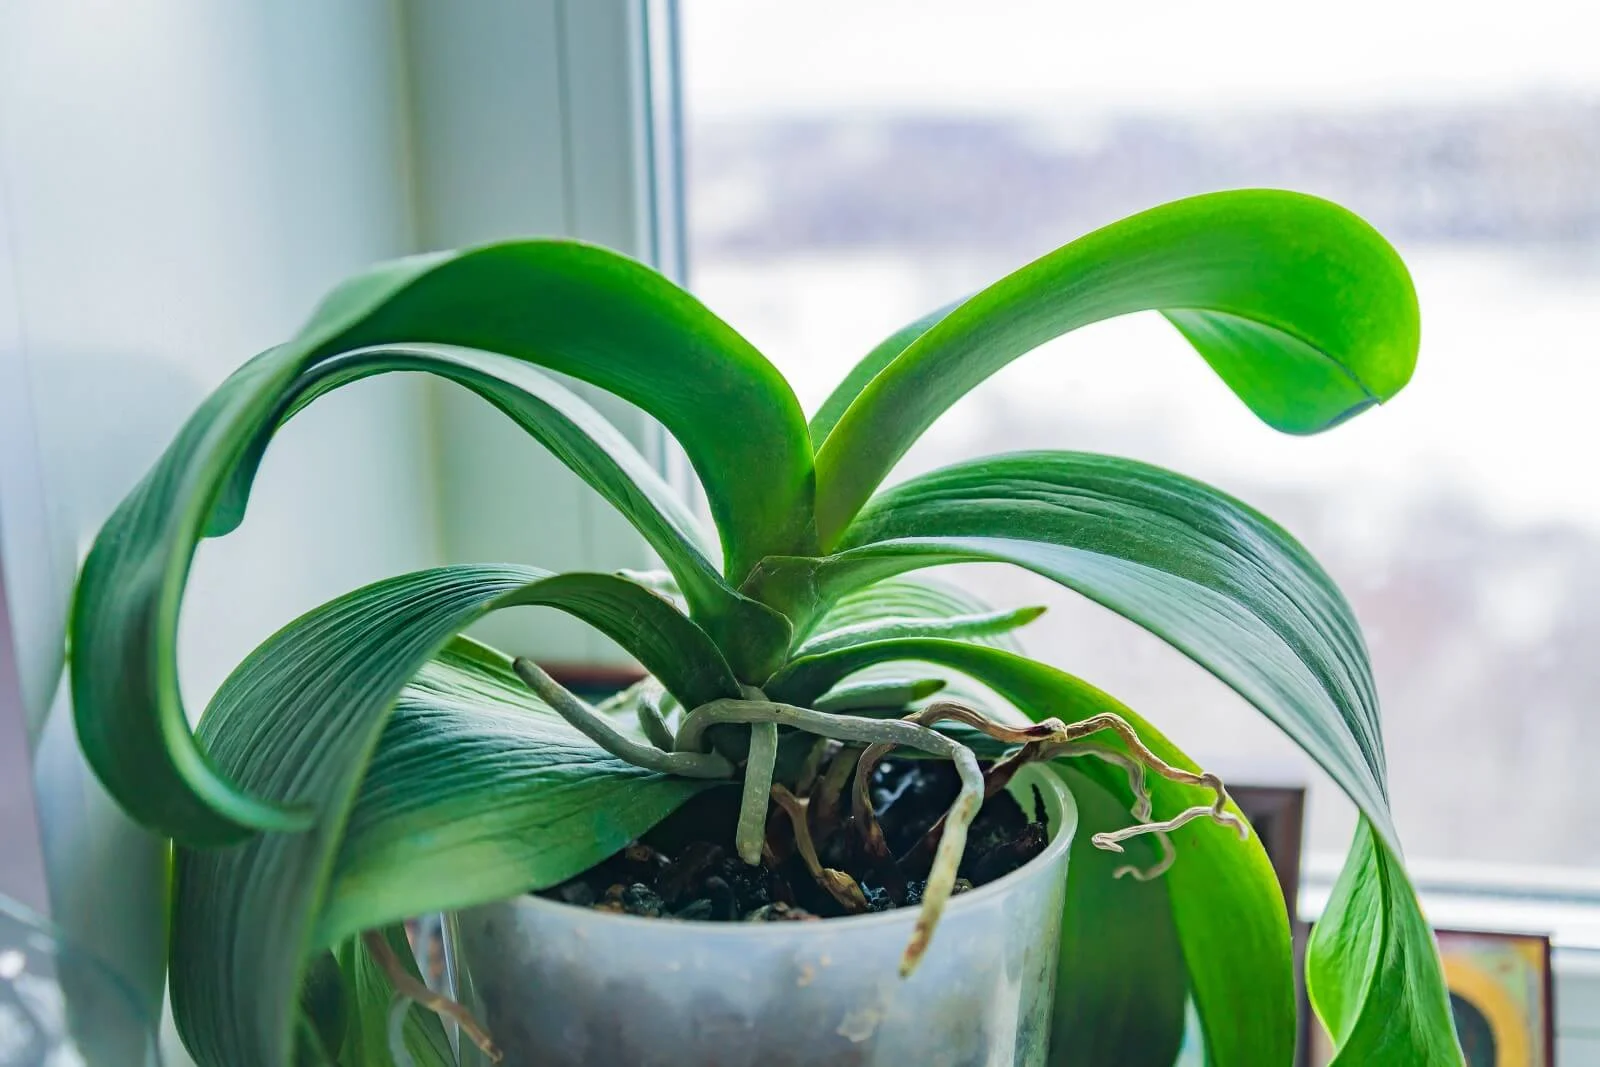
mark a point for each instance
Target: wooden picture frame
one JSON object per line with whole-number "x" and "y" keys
{"x": 1506, "y": 982}
{"x": 1277, "y": 815}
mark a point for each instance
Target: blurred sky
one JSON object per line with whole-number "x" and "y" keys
{"x": 985, "y": 55}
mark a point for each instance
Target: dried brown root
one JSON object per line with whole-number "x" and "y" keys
{"x": 1138, "y": 758}
{"x": 873, "y": 732}
{"x": 1032, "y": 737}
{"x": 825, "y": 808}
{"x": 836, "y": 883}
{"x": 1143, "y": 803}
{"x": 822, "y": 749}
{"x": 874, "y": 846}
{"x": 407, "y": 986}
{"x": 1053, "y": 739}
{"x": 872, "y": 839}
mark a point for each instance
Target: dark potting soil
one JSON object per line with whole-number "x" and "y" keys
{"x": 686, "y": 867}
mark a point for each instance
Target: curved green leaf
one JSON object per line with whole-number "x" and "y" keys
{"x": 1201, "y": 570}
{"x": 882, "y": 354}
{"x": 611, "y": 321}
{"x": 326, "y": 1010}
{"x": 1391, "y": 1006}
{"x": 473, "y": 774}
{"x": 367, "y": 1041}
{"x": 891, "y": 695}
{"x": 1303, "y": 309}
{"x": 573, "y": 431}
{"x": 582, "y": 440}
{"x": 566, "y": 306}
{"x": 895, "y": 598}
{"x": 1121, "y": 986}
{"x": 1227, "y": 908}
{"x": 985, "y": 624}
{"x": 298, "y": 722}
{"x": 1236, "y": 594}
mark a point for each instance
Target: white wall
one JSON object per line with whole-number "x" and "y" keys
{"x": 180, "y": 181}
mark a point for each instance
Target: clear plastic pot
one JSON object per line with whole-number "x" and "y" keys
{"x": 60, "y": 1006}
{"x": 559, "y": 985}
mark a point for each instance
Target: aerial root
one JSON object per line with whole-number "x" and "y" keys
{"x": 407, "y": 986}
{"x": 1134, "y": 763}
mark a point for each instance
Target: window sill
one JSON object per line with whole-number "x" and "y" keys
{"x": 1563, "y": 904}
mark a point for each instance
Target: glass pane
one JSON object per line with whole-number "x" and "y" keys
{"x": 839, "y": 185}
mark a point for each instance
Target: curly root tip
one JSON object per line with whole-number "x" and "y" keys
{"x": 1134, "y": 762}
{"x": 1217, "y": 811}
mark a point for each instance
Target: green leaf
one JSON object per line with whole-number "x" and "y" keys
{"x": 894, "y": 598}
{"x": 578, "y": 436}
{"x": 325, "y": 1007}
{"x": 953, "y": 626}
{"x": 1226, "y": 905}
{"x": 883, "y": 354}
{"x": 591, "y": 313}
{"x": 1303, "y": 309}
{"x": 573, "y": 431}
{"x": 473, "y": 774}
{"x": 1227, "y": 587}
{"x": 1373, "y": 967}
{"x": 1203, "y": 571}
{"x": 300, "y": 720}
{"x": 1121, "y": 984}
{"x": 890, "y": 695}
{"x": 569, "y": 307}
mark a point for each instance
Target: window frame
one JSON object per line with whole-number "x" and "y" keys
{"x": 573, "y": 103}
{"x": 1454, "y": 891}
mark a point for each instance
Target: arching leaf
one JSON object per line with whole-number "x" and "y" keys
{"x": 985, "y": 624}
{"x": 1235, "y": 593}
{"x": 251, "y": 913}
{"x": 919, "y": 597}
{"x": 1121, "y": 984}
{"x": 882, "y": 354}
{"x": 367, "y": 1042}
{"x": 473, "y": 774}
{"x": 582, "y": 440}
{"x": 569, "y": 307}
{"x": 1372, "y": 967}
{"x": 1303, "y": 309}
{"x": 611, "y": 321}
{"x": 1206, "y": 573}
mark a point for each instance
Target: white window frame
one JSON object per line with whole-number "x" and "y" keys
{"x": 572, "y": 104}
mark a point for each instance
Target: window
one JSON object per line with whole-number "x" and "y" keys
{"x": 838, "y": 188}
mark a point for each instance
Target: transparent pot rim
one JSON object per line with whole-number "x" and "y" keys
{"x": 1060, "y": 842}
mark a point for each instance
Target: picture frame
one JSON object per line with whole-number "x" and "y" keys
{"x": 1277, "y": 815}
{"x": 1503, "y": 995}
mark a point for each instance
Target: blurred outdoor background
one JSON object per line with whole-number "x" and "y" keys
{"x": 847, "y": 182}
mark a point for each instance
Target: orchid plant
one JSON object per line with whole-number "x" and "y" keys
{"x": 368, "y": 763}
